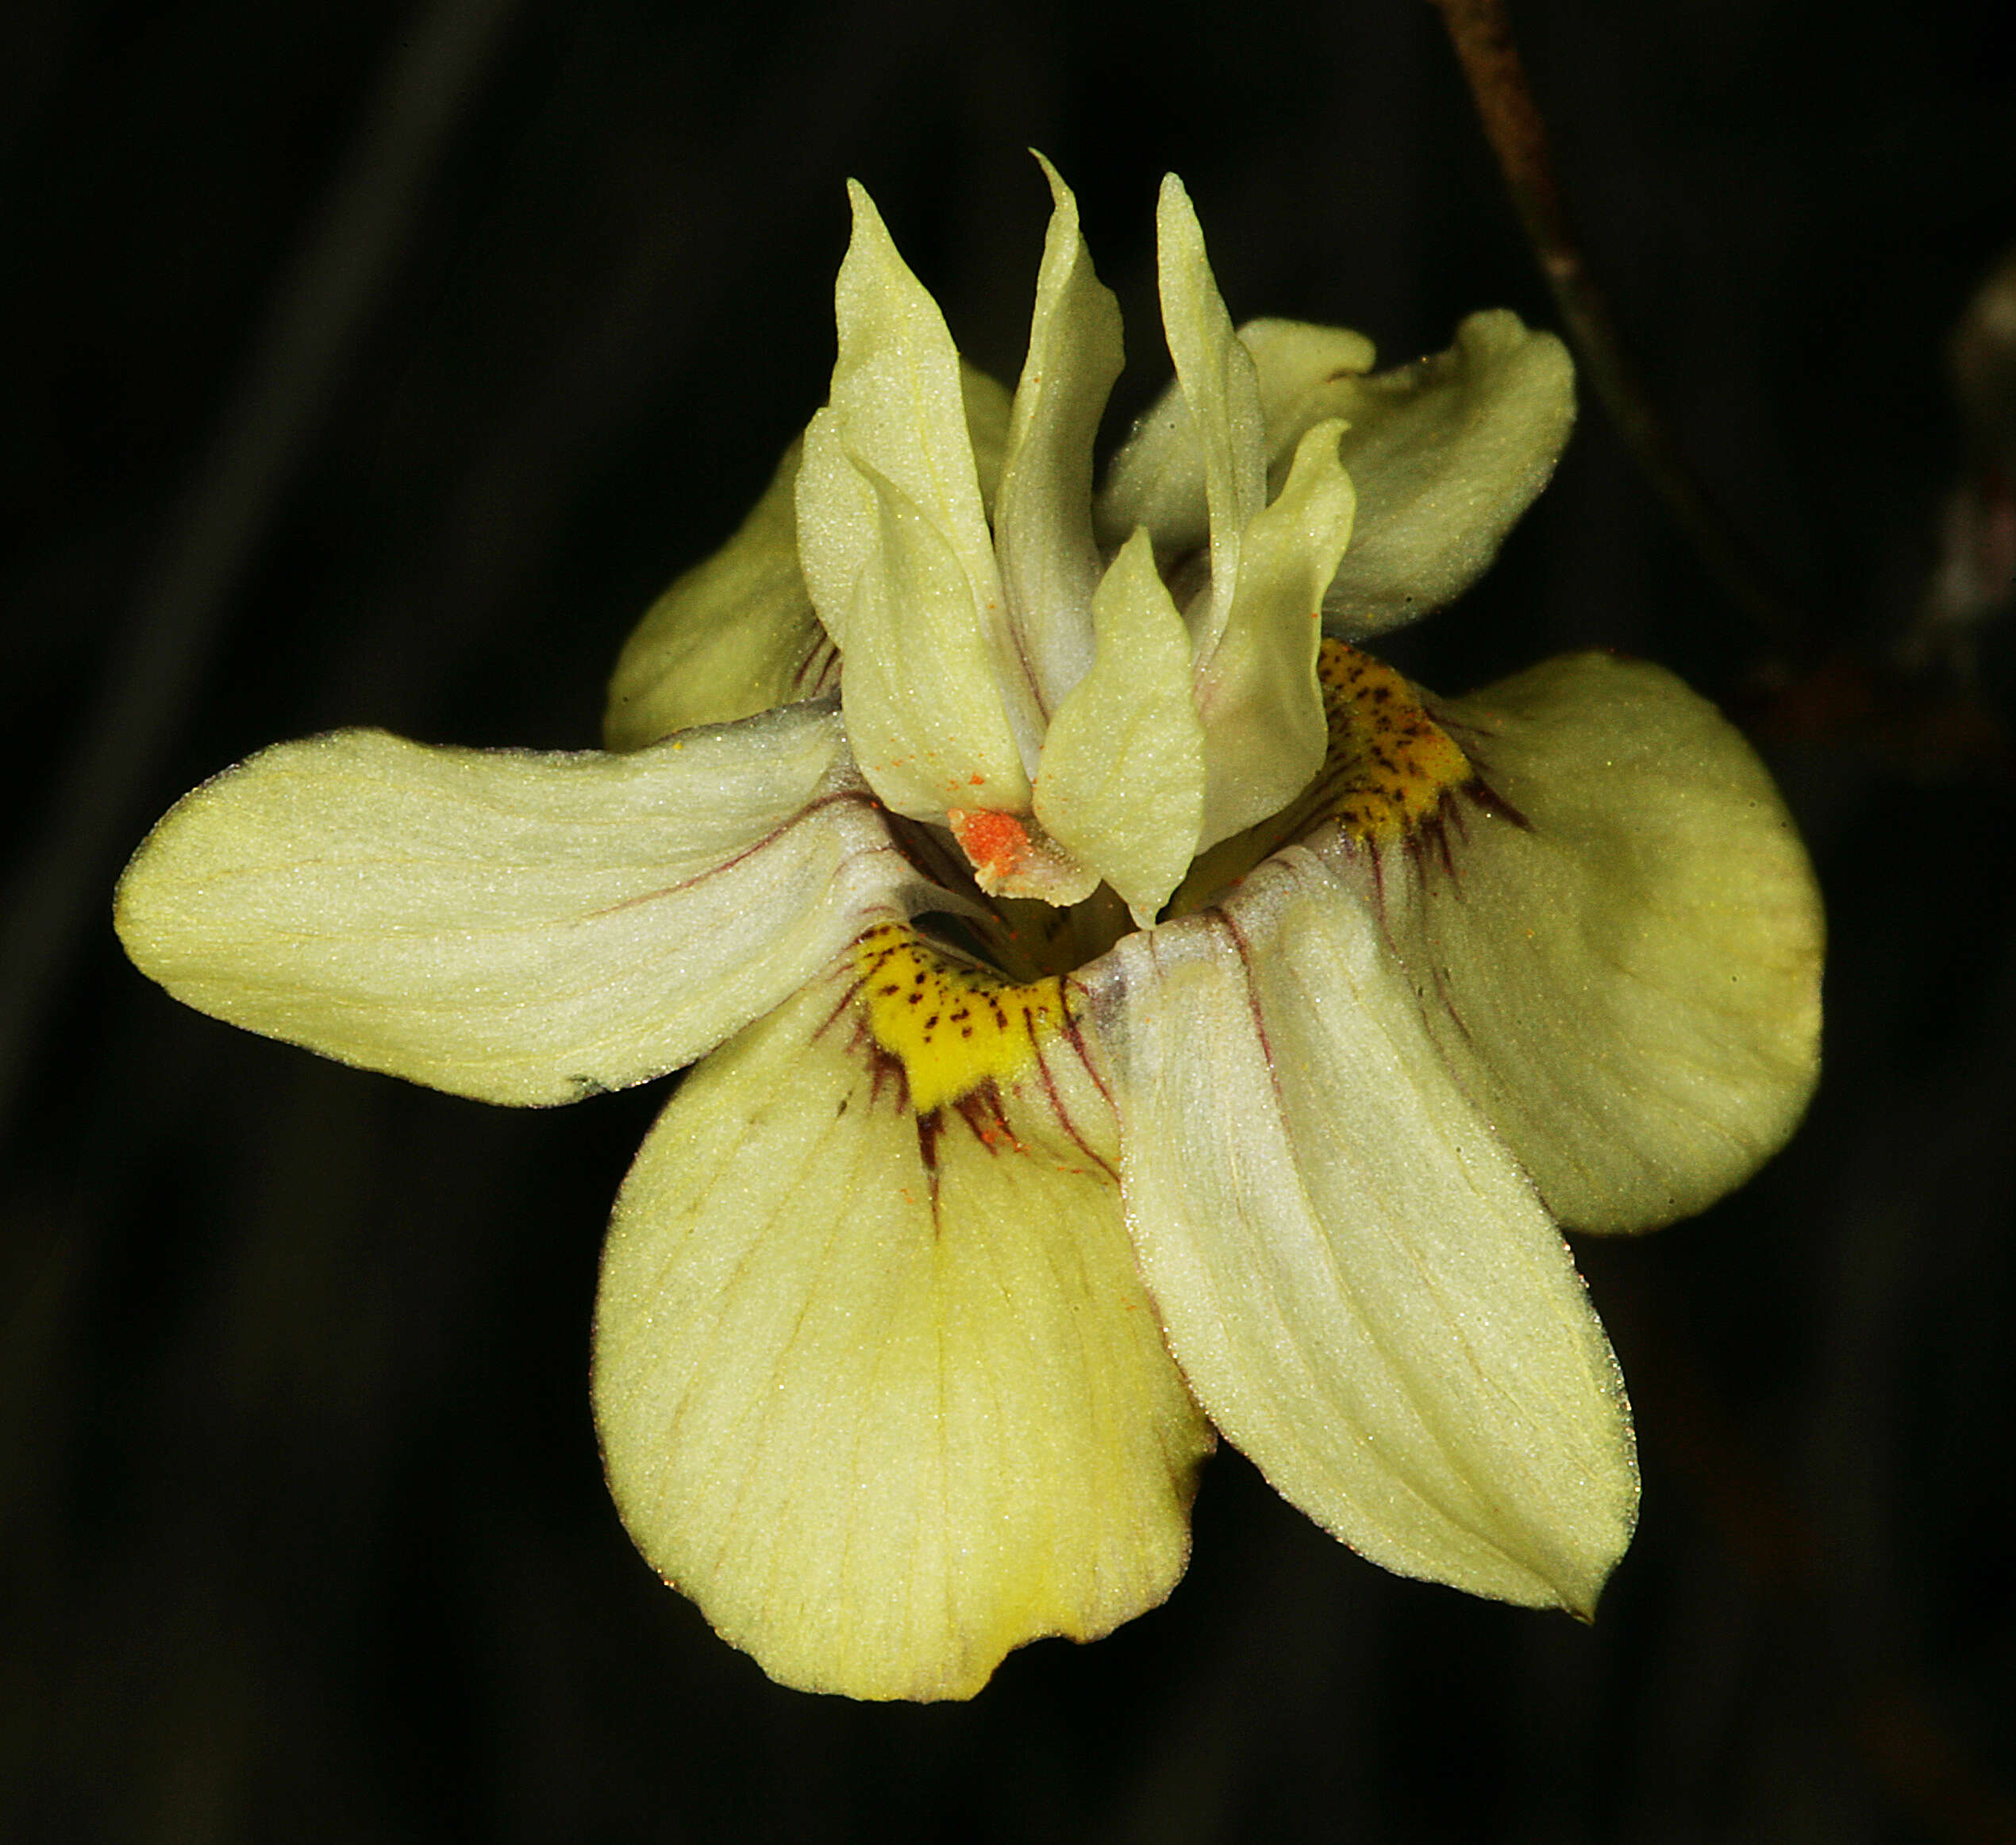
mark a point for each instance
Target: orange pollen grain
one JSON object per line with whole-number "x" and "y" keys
{"x": 995, "y": 843}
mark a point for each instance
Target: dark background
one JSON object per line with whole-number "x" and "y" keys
{"x": 376, "y": 364}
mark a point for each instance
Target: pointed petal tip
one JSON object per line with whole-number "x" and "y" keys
{"x": 868, "y": 225}
{"x": 1174, "y": 214}
{"x": 1578, "y": 1574}
{"x": 1578, "y": 1600}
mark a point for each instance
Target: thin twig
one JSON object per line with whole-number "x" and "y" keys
{"x": 1482, "y": 35}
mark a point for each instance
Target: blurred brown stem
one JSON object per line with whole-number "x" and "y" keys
{"x": 1482, "y": 35}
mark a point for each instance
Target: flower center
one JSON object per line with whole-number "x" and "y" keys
{"x": 952, "y": 1027}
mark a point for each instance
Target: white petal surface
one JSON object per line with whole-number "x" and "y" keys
{"x": 1043, "y": 524}
{"x": 520, "y": 928}
{"x": 885, "y": 1416}
{"x": 1121, "y": 784}
{"x": 1360, "y": 1286}
{"x": 734, "y": 636}
{"x": 1446, "y": 455}
{"x": 1262, "y": 713}
{"x": 1622, "y": 963}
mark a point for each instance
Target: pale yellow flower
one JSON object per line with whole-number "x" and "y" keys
{"x": 1124, "y": 1007}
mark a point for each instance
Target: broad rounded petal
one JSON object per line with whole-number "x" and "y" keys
{"x": 925, "y": 713}
{"x": 1262, "y": 713}
{"x": 734, "y": 636}
{"x": 1042, "y": 526}
{"x": 516, "y": 927}
{"x": 1616, "y": 940}
{"x": 1214, "y": 371}
{"x": 1446, "y": 455}
{"x": 1121, "y": 783}
{"x": 1359, "y": 1284}
{"x": 881, "y": 1391}
{"x": 1305, "y": 374}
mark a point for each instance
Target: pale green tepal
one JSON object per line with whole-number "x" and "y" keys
{"x": 1124, "y": 1008}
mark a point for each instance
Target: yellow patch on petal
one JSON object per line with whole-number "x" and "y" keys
{"x": 1389, "y": 764}
{"x": 951, "y": 1026}
{"x": 1387, "y": 768}
{"x": 1616, "y": 944}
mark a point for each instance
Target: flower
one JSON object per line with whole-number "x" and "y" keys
{"x": 1123, "y": 1007}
